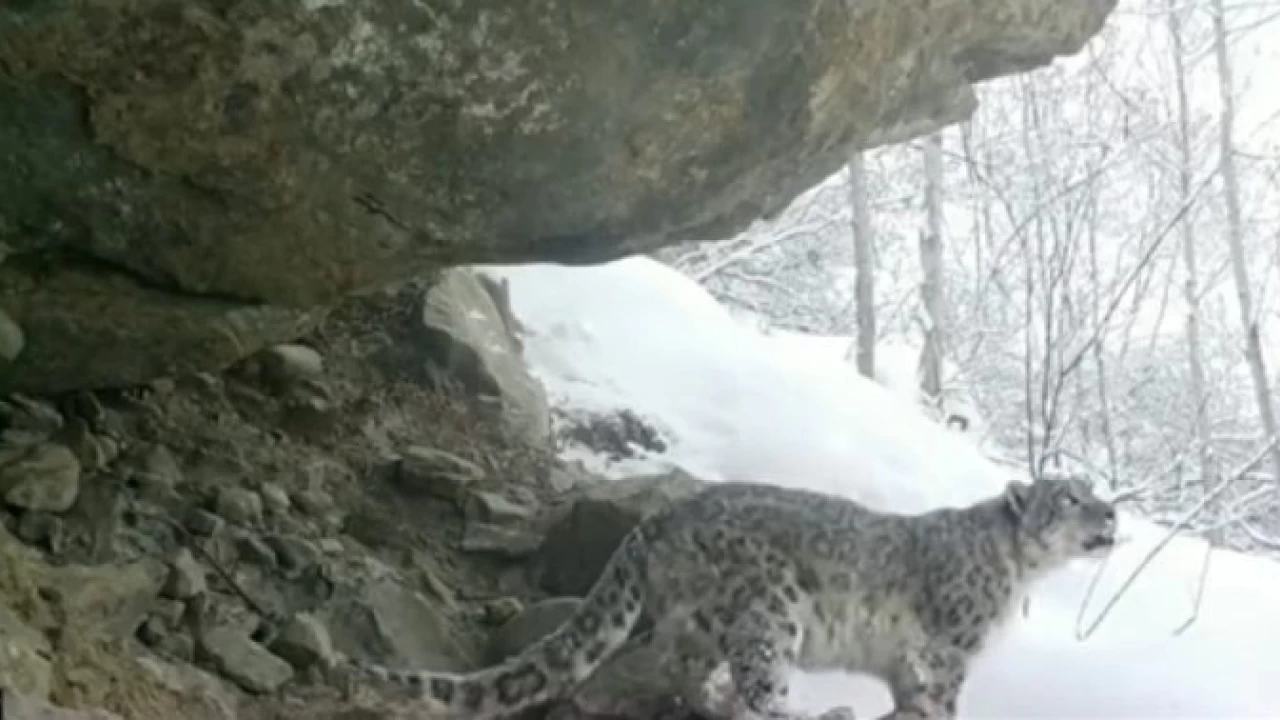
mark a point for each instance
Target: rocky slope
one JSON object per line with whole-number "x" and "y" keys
{"x": 200, "y": 547}
{"x": 185, "y": 183}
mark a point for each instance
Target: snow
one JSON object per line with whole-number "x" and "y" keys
{"x": 734, "y": 403}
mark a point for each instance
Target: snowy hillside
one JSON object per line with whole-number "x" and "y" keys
{"x": 735, "y": 404}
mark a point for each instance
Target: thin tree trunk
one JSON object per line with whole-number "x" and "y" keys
{"x": 864, "y": 266}
{"x": 1099, "y": 362}
{"x": 1191, "y": 290}
{"x": 1235, "y": 238}
{"x": 932, "y": 290}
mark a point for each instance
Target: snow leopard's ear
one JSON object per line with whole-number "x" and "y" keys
{"x": 1016, "y": 497}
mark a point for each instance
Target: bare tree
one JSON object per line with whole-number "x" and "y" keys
{"x": 864, "y": 266}
{"x": 1191, "y": 286}
{"x": 1235, "y": 235}
{"x": 931, "y": 289}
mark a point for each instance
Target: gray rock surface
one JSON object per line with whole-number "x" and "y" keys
{"x": 385, "y": 620}
{"x": 45, "y": 478}
{"x": 184, "y": 182}
{"x": 593, "y": 522}
{"x": 245, "y": 662}
{"x": 304, "y": 641}
{"x": 186, "y": 577}
{"x": 24, "y": 656}
{"x": 14, "y": 706}
{"x": 467, "y": 335}
{"x": 530, "y": 625}
{"x": 436, "y": 472}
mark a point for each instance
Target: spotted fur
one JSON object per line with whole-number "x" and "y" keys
{"x": 762, "y": 579}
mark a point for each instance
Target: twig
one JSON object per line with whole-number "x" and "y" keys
{"x": 1204, "y": 581}
{"x": 1168, "y": 537}
{"x": 1259, "y": 537}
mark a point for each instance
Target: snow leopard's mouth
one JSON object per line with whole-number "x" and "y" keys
{"x": 1100, "y": 542}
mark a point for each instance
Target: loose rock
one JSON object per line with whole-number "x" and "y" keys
{"x": 580, "y": 542}
{"x": 296, "y": 554}
{"x": 153, "y": 632}
{"x": 46, "y": 478}
{"x": 484, "y": 506}
{"x": 313, "y": 501}
{"x": 411, "y": 631}
{"x": 275, "y": 497}
{"x": 244, "y": 661}
{"x": 529, "y": 626}
{"x": 157, "y": 473}
{"x": 254, "y": 549}
{"x": 239, "y": 506}
{"x": 469, "y": 333}
{"x": 93, "y": 451}
{"x": 511, "y": 542}
{"x": 436, "y": 472}
{"x": 204, "y": 523}
{"x": 186, "y": 577}
{"x": 304, "y": 641}
{"x": 288, "y": 362}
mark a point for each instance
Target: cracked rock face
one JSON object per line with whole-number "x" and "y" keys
{"x": 184, "y": 182}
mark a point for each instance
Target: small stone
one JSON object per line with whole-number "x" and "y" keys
{"x": 304, "y": 641}
{"x": 331, "y": 546}
{"x": 158, "y": 474}
{"x": 436, "y": 472}
{"x": 290, "y": 362}
{"x": 179, "y": 646}
{"x": 39, "y": 528}
{"x": 94, "y": 451}
{"x": 498, "y": 612}
{"x": 204, "y": 523}
{"x": 245, "y": 662}
{"x": 239, "y": 506}
{"x": 12, "y": 339}
{"x": 491, "y": 507}
{"x": 313, "y": 501}
{"x": 254, "y": 549}
{"x": 296, "y": 555}
{"x": 46, "y": 477}
{"x": 186, "y": 577}
{"x": 275, "y": 497}
{"x": 153, "y": 632}
{"x": 503, "y": 540}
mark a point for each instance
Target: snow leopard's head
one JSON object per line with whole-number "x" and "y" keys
{"x": 1060, "y": 518}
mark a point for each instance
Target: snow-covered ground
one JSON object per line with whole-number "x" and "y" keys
{"x": 736, "y": 404}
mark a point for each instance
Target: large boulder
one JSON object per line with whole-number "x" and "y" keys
{"x": 468, "y": 334}
{"x": 170, "y": 171}
{"x": 590, "y": 524}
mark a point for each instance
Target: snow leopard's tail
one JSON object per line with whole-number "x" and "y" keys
{"x": 549, "y": 669}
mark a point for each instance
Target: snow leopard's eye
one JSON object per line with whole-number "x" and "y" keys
{"x": 1067, "y": 500}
